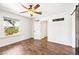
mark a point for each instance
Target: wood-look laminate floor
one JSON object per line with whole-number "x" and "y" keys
{"x": 34, "y": 47}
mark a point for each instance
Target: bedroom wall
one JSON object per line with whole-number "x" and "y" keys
{"x": 25, "y": 24}
{"x": 60, "y": 32}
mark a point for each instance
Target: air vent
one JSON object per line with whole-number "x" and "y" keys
{"x": 58, "y": 19}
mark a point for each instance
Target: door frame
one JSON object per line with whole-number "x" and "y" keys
{"x": 77, "y": 30}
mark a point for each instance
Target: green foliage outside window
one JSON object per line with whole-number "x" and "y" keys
{"x": 11, "y": 30}
{"x": 12, "y": 27}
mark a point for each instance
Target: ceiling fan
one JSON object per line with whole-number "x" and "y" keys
{"x": 31, "y": 9}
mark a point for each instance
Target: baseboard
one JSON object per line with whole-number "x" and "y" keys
{"x": 61, "y": 43}
{"x": 14, "y": 42}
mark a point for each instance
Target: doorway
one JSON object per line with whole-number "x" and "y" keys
{"x": 37, "y": 30}
{"x": 40, "y": 32}
{"x": 44, "y": 39}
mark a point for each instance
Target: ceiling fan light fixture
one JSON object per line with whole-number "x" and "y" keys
{"x": 32, "y": 10}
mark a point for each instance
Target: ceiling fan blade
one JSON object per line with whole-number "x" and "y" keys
{"x": 38, "y": 12}
{"x": 24, "y": 12}
{"x": 36, "y": 6}
{"x": 24, "y": 6}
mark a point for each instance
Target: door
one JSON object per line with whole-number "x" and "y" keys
{"x": 77, "y": 29}
{"x": 37, "y": 30}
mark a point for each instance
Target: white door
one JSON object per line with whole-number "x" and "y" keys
{"x": 37, "y": 33}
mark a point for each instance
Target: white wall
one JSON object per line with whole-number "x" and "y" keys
{"x": 26, "y": 28}
{"x": 43, "y": 29}
{"x": 60, "y": 32}
{"x": 73, "y": 28}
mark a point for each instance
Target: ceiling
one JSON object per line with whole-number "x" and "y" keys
{"x": 46, "y": 8}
